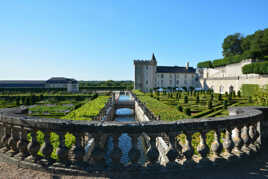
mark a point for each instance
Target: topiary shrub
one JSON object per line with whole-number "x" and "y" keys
{"x": 210, "y": 104}
{"x": 197, "y": 99}
{"x": 187, "y": 111}
{"x": 239, "y": 93}
{"x": 220, "y": 97}
{"x": 185, "y": 99}
{"x": 225, "y": 104}
{"x": 180, "y": 108}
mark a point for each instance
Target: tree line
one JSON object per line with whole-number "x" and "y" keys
{"x": 236, "y": 48}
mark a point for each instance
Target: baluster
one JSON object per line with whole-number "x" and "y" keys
{"x": 47, "y": 148}
{"x": 216, "y": 147}
{"x": 238, "y": 142}
{"x": 22, "y": 144}
{"x": 4, "y": 139}
{"x": 33, "y": 147}
{"x": 188, "y": 150}
{"x": 134, "y": 153}
{"x": 98, "y": 153}
{"x": 1, "y": 130}
{"x": 116, "y": 152}
{"x": 12, "y": 141}
{"x": 228, "y": 144}
{"x": 173, "y": 153}
{"x": 62, "y": 151}
{"x": 203, "y": 150}
{"x": 253, "y": 137}
{"x": 77, "y": 151}
{"x": 246, "y": 139}
{"x": 153, "y": 153}
{"x": 258, "y": 133}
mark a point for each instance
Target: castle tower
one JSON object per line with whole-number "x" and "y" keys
{"x": 145, "y": 74}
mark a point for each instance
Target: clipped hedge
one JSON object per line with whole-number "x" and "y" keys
{"x": 225, "y": 61}
{"x": 256, "y": 68}
{"x": 205, "y": 64}
{"x": 250, "y": 89}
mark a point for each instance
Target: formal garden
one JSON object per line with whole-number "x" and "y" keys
{"x": 202, "y": 103}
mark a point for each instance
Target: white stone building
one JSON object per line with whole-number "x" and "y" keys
{"x": 149, "y": 76}
{"x": 230, "y": 77}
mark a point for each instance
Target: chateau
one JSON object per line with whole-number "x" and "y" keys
{"x": 149, "y": 76}
{"x": 221, "y": 79}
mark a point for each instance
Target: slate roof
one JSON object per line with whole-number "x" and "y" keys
{"x": 174, "y": 69}
{"x": 22, "y": 84}
{"x": 61, "y": 80}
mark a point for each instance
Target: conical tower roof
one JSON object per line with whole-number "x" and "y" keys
{"x": 153, "y": 59}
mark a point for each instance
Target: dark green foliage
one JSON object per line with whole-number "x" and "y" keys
{"x": 225, "y": 104}
{"x": 230, "y": 98}
{"x": 179, "y": 107}
{"x": 239, "y": 93}
{"x": 197, "y": 99}
{"x": 158, "y": 98}
{"x": 205, "y": 64}
{"x": 233, "y": 93}
{"x": 177, "y": 96}
{"x": 187, "y": 111}
{"x": 185, "y": 99}
{"x": 28, "y": 101}
{"x": 191, "y": 88}
{"x": 209, "y": 104}
{"x": 232, "y": 45}
{"x": 237, "y": 48}
{"x": 226, "y": 93}
{"x": 18, "y": 101}
{"x": 257, "y": 68}
{"x": 211, "y": 97}
{"x": 184, "y": 88}
{"x": 220, "y": 97}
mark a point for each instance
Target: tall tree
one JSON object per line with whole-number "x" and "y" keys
{"x": 232, "y": 45}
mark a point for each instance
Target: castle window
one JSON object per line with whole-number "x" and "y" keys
{"x": 162, "y": 83}
{"x": 170, "y": 82}
{"x": 170, "y": 76}
{"x": 146, "y": 67}
{"x": 177, "y": 82}
{"x": 162, "y": 75}
{"x": 185, "y": 82}
{"x": 146, "y": 82}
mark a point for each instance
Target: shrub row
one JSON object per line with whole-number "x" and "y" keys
{"x": 256, "y": 68}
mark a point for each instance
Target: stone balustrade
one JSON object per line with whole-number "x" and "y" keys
{"x": 220, "y": 141}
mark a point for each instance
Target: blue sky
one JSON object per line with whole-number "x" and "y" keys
{"x": 98, "y": 40}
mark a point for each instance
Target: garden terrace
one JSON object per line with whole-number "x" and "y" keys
{"x": 174, "y": 105}
{"x": 235, "y": 137}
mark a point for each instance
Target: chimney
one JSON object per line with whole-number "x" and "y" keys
{"x": 187, "y": 65}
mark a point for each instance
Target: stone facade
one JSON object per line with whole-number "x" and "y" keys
{"x": 149, "y": 76}
{"x": 229, "y": 77}
{"x": 221, "y": 79}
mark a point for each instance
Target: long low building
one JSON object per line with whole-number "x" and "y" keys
{"x": 71, "y": 85}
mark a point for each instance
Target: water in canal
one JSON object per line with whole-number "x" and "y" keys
{"x": 124, "y": 140}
